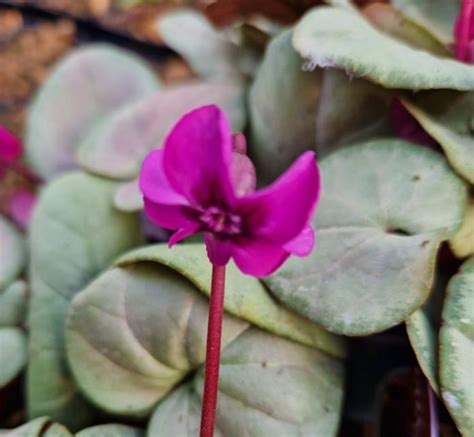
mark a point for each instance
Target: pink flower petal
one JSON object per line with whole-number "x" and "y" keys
{"x": 243, "y": 174}
{"x": 183, "y": 233}
{"x": 244, "y": 178}
{"x": 239, "y": 143}
{"x": 257, "y": 257}
{"x": 170, "y": 216}
{"x": 219, "y": 250}
{"x": 302, "y": 244}
{"x": 21, "y": 204}
{"x": 470, "y": 53}
{"x": 464, "y": 30}
{"x": 153, "y": 182}
{"x": 10, "y": 146}
{"x": 279, "y": 212}
{"x": 198, "y": 157}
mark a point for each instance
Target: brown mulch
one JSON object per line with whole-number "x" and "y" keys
{"x": 137, "y": 21}
{"x": 26, "y": 54}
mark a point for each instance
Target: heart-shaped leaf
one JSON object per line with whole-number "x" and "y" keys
{"x": 449, "y": 118}
{"x": 462, "y": 243}
{"x": 342, "y": 38}
{"x": 117, "y": 146}
{"x": 268, "y": 386}
{"x": 136, "y": 332}
{"x": 210, "y": 52}
{"x": 437, "y": 16}
{"x": 12, "y": 253}
{"x": 457, "y": 348}
{"x": 321, "y": 109}
{"x": 371, "y": 194}
{"x": 84, "y": 88}
{"x": 75, "y": 233}
{"x": 245, "y": 296}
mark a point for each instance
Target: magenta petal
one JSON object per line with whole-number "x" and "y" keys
{"x": 243, "y": 174}
{"x": 182, "y": 234}
{"x": 153, "y": 182}
{"x": 257, "y": 257}
{"x": 464, "y": 30}
{"x": 279, "y": 212}
{"x": 20, "y": 207}
{"x": 10, "y": 146}
{"x": 302, "y": 244}
{"x": 198, "y": 157}
{"x": 170, "y": 216}
{"x": 470, "y": 53}
{"x": 239, "y": 143}
{"x": 219, "y": 250}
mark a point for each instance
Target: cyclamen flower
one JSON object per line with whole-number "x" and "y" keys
{"x": 17, "y": 200}
{"x": 196, "y": 184}
{"x": 10, "y": 149}
{"x": 464, "y": 32}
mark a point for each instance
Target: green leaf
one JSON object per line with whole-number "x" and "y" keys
{"x": 111, "y": 430}
{"x": 245, "y": 296}
{"x": 210, "y": 52}
{"x": 436, "y": 16}
{"x": 341, "y": 38}
{"x": 180, "y": 413}
{"x": 13, "y": 303}
{"x": 268, "y": 386}
{"x": 457, "y": 349}
{"x": 321, "y": 109}
{"x": 423, "y": 329}
{"x": 85, "y": 87}
{"x": 393, "y": 22}
{"x": 75, "y": 233}
{"x": 134, "y": 333}
{"x": 385, "y": 207}
{"x": 12, "y": 253}
{"x": 449, "y": 118}
{"x": 349, "y": 110}
{"x": 462, "y": 243}
{"x": 13, "y": 343}
{"x": 117, "y": 146}
{"x": 13, "y": 353}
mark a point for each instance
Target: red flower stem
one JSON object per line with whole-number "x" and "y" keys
{"x": 211, "y": 371}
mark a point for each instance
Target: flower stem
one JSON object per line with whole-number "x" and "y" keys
{"x": 211, "y": 371}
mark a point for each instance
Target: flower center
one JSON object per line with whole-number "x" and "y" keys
{"x": 221, "y": 222}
